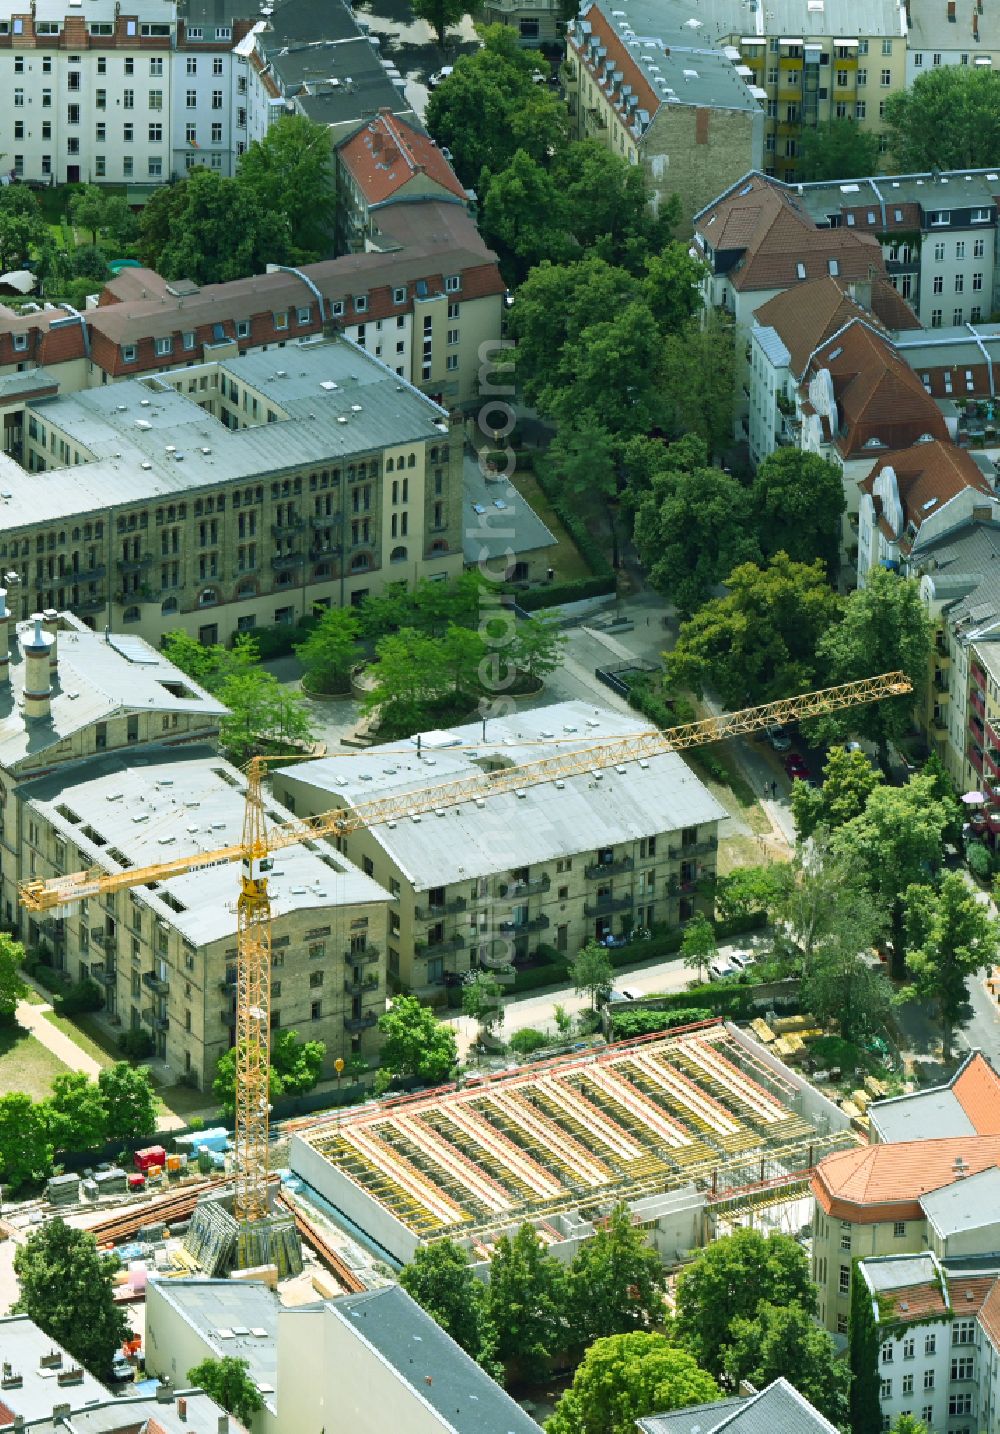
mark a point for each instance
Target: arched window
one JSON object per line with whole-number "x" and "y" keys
{"x": 388, "y": 465}
{"x": 246, "y": 588}
{"x": 168, "y": 606}
{"x": 131, "y": 614}
{"x": 411, "y": 461}
{"x": 398, "y": 555}
{"x": 208, "y": 597}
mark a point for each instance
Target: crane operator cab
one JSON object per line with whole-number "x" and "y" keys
{"x": 255, "y": 868}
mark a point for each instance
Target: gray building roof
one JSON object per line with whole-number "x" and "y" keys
{"x": 185, "y": 1411}
{"x": 546, "y": 821}
{"x": 238, "y": 1318}
{"x": 948, "y": 189}
{"x": 497, "y": 520}
{"x": 899, "y": 1272}
{"x": 139, "y": 807}
{"x": 778, "y": 1409}
{"x": 722, "y": 19}
{"x": 332, "y": 400}
{"x": 439, "y": 1371}
{"x": 23, "y": 1346}
{"x": 965, "y": 1204}
{"x": 98, "y": 677}
{"x": 931, "y": 29}
{"x": 963, "y": 568}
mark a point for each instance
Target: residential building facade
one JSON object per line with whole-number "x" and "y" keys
{"x": 230, "y": 495}
{"x": 486, "y": 882}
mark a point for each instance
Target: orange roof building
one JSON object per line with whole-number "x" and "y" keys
{"x": 968, "y": 1104}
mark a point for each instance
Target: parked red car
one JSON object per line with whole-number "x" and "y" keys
{"x": 795, "y": 766}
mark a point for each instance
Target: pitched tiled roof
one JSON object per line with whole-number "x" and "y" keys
{"x": 808, "y": 314}
{"x": 385, "y": 154}
{"x": 977, "y": 1085}
{"x": 929, "y": 475}
{"x": 966, "y": 1295}
{"x": 880, "y": 400}
{"x": 989, "y": 1314}
{"x": 869, "y": 1184}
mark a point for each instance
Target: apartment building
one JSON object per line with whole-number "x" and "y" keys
{"x": 950, "y": 32}
{"x": 485, "y": 881}
{"x": 537, "y": 22}
{"x": 389, "y": 162}
{"x": 107, "y": 763}
{"x": 898, "y": 1195}
{"x": 221, "y": 103}
{"x": 637, "y": 80}
{"x": 937, "y": 1326}
{"x": 937, "y": 233}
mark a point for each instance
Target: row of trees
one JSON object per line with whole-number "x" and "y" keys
{"x": 278, "y": 208}
{"x": 80, "y": 1115}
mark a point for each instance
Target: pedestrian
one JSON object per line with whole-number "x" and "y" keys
{"x": 774, "y": 790}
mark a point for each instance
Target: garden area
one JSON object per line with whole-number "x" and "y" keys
{"x": 67, "y": 236}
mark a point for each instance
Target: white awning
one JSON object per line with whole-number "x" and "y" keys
{"x": 23, "y": 280}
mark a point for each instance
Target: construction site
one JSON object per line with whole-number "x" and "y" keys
{"x": 685, "y": 1129}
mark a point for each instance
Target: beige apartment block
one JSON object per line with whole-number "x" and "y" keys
{"x": 230, "y": 495}
{"x": 485, "y": 881}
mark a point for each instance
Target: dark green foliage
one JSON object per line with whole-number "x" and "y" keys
{"x": 980, "y": 863}
{"x": 85, "y": 995}
{"x": 66, "y": 1288}
{"x": 627, "y": 1024}
{"x": 625, "y": 1377}
{"x": 949, "y": 118}
{"x": 78, "y": 1116}
{"x": 136, "y": 1044}
{"x": 616, "y": 1283}
{"x": 416, "y": 1042}
{"x": 12, "y": 988}
{"x": 863, "y": 1347}
{"x": 840, "y": 149}
{"x": 131, "y": 1102}
{"x": 526, "y": 1298}
{"x": 786, "y": 1342}
{"x": 440, "y": 1279}
{"x": 798, "y": 501}
{"x": 229, "y": 1382}
{"x": 25, "y": 1140}
{"x": 523, "y": 1042}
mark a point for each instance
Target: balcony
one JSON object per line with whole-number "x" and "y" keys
{"x": 595, "y": 120}
{"x": 161, "y": 1023}
{"x": 324, "y": 520}
{"x": 978, "y": 675}
{"x": 364, "y": 957}
{"x": 90, "y": 604}
{"x": 941, "y": 687}
{"x": 531, "y": 887}
{"x": 284, "y": 562}
{"x": 700, "y": 848}
{"x": 439, "y": 948}
{"x": 534, "y": 923}
{"x": 605, "y": 905}
{"x": 976, "y": 759}
{"x": 155, "y": 983}
{"x": 608, "y": 868}
{"x": 104, "y": 973}
{"x": 356, "y": 988}
{"x": 291, "y": 525}
{"x": 134, "y": 565}
{"x": 356, "y": 1024}
{"x": 977, "y": 703}
{"x": 86, "y": 574}
{"x": 444, "y": 908}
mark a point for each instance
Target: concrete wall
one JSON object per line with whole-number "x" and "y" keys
{"x": 377, "y": 1222}
{"x": 811, "y": 1103}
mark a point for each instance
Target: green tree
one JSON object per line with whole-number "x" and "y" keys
{"x": 489, "y": 108}
{"x": 786, "y": 1342}
{"x": 299, "y": 1063}
{"x": 119, "y": 224}
{"x": 481, "y": 1000}
{"x": 949, "y": 118}
{"x": 798, "y": 501}
{"x": 78, "y": 1117}
{"x": 862, "y": 1355}
{"x": 130, "y": 1101}
{"x": 590, "y": 971}
{"x": 25, "y": 1140}
{"x": 944, "y": 790}
{"x": 213, "y": 230}
{"x": 22, "y": 226}
{"x": 538, "y": 643}
{"x": 896, "y": 842}
{"x": 210, "y": 664}
{"x": 616, "y": 1282}
{"x": 625, "y": 1377}
{"x": 848, "y": 781}
{"x": 159, "y": 217}
{"x": 759, "y": 641}
{"x": 86, "y": 209}
{"x": 289, "y": 175}
{"x": 584, "y": 460}
{"x": 12, "y": 987}
{"x": 730, "y": 1280}
{"x": 66, "y": 1287}
{"x": 747, "y": 890}
{"x": 461, "y": 654}
{"x": 441, "y": 1281}
{"x": 224, "y": 1082}
{"x": 840, "y": 149}
{"x": 439, "y": 14}
{"x": 606, "y": 209}
{"x": 823, "y": 904}
{"x": 330, "y": 651}
{"x": 416, "y": 1042}
{"x": 525, "y": 1304}
{"x": 698, "y": 946}
{"x": 263, "y": 715}
{"x": 523, "y": 217}
{"x": 699, "y": 378}
{"x": 229, "y": 1382}
{"x": 408, "y": 681}
{"x": 672, "y": 285}
{"x": 950, "y": 936}
{"x": 908, "y": 1424}
{"x": 691, "y": 530}
{"x": 885, "y": 628}
{"x": 841, "y": 985}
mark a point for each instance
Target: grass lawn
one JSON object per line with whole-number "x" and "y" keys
{"x": 566, "y": 557}
{"x": 83, "y": 1033}
{"x": 25, "y": 1064}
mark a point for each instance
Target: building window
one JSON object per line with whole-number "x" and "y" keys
{"x": 862, "y": 77}
{"x": 887, "y": 47}
{"x": 935, "y": 318}
{"x": 860, "y": 109}
{"x": 899, "y": 1229}
{"x": 156, "y": 67}
{"x": 243, "y": 328}
{"x": 844, "y": 1281}
{"x": 918, "y": 60}
{"x": 907, "y": 1384}
{"x": 959, "y": 1404}
{"x": 963, "y": 1331}
{"x": 886, "y": 79}
{"x": 887, "y": 1351}
{"x": 885, "y": 1389}
{"x": 452, "y": 283}
{"x": 164, "y": 347}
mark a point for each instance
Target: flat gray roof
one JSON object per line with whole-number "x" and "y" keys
{"x": 149, "y": 805}
{"x": 238, "y": 1318}
{"x": 964, "y": 1204}
{"x": 925, "y": 1115}
{"x": 128, "y": 1413}
{"x": 930, "y": 29}
{"x": 437, "y": 1369}
{"x": 332, "y": 400}
{"x": 496, "y": 519}
{"x": 23, "y": 1345}
{"x": 900, "y": 1272}
{"x": 468, "y": 840}
{"x": 98, "y": 677}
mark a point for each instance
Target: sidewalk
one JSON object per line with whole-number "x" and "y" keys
{"x": 32, "y": 1018}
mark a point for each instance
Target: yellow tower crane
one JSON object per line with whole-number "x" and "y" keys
{"x": 253, "y": 852}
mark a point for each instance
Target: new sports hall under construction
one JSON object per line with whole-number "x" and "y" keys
{"x": 687, "y": 1129}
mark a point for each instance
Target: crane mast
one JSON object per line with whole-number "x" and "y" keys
{"x": 253, "y": 1008}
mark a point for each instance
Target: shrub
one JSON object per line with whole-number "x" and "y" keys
{"x": 528, "y": 1040}
{"x": 279, "y": 641}
{"x": 835, "y": 1051}
{"x": 978, "y": 858}
{"x": 136, "y": 1044}
{"x": 48, "y": 976}
{"x": 626, "y": 1025}
{"x": 86, "y": 995}
{"x": 558, "y": 594}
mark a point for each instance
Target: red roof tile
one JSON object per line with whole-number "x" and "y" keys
{"x": 387, "y": 154}
{"x": 932, "y": 474}
{"x": 989, "y": 1314}
{"x": 977, "y": 1085}
{"x": 874, "y": 1183}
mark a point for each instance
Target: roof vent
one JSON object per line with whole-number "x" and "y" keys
{"x": 145, "y": 402}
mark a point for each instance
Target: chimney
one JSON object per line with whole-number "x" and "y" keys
{"x": 182, "y": 1410}
{"x": 4, "y": 638}
{"x": 18, "y": 1421}
{"x": 37, "y": 691}
{"x": 223, "y": 1424}
{"x": 50, "y": 622}
{"x": 951, "y": 11}
{"x": 975, "y": 25}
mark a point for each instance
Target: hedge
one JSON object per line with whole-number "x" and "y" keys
{"x": 626, "y": 1024}
{"x": 558, "y": 594}
{"x": 590, "y": 549}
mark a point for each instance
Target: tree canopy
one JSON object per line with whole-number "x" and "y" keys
{"x": 12, "y": 987}
{"x": 949, "y": 118}
{"x": 848, "y": 781}
{"x": 786, "y": 1341}
{"x": 759, "y": 641}
{"x": 26, "y": 1142}
{"x": 210, "y": 229}
{"x": 229, "y": 1382}
{"x": 840, "y": 149}
{"x": 616, "y": 1282}
{"x": 416, "y": 1042}
{"x": 441, "y": 1280}
{"x": 66, "y": 1287}
{"x": 950, "y": 936}
{"x": 330, "y": 651}
{"x": 525, "y": 1303}
{"x": 22, "y": 226}
{"x": 289, "y": 175}
{"x": 624, "y": 1377}
{"x": 295, "y": 1068}
{"x": 130, "y": 1101}
{"x": 590, "y": 971}
{"x": 798, "y": 501}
